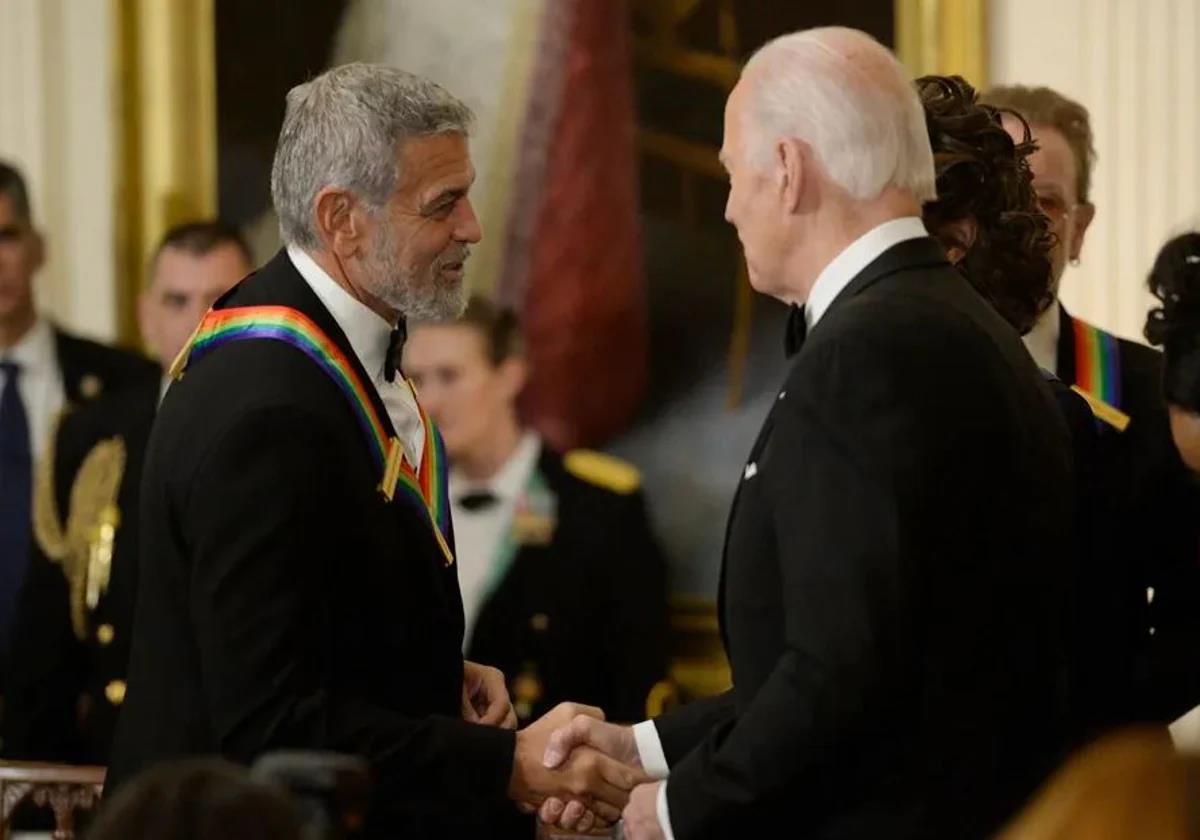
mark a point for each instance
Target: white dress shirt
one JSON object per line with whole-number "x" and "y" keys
{"x": 40, "y": 382}
{"x": 1042, "y": 340}
{"x": 369, "y": 335}
{"x": 479, "y": 534}
{"x": 860, "y": 253}
{"x": 830, "y": 283}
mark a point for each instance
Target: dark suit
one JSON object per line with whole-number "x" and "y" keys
{"x": 1155, "y": 529}
{"x": 64, "y": 690}
{"x": 89, "y": 370}
{"x": 892, "y": 588}
{"x": 581, "y": 617}
{"x": 283, "y": 603}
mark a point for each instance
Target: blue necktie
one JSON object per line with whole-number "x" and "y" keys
{"x": 16, "y": 497}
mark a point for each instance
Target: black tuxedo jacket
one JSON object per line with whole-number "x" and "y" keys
{"x": 64, "y": 692}
{"x": 1154, "y": 509}
{"x": 893, "y": 583}
{"x": 282, "y": 603}
{"x": 584, "y": 616}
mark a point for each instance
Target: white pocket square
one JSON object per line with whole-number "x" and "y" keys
{"x": 751, "y": 471}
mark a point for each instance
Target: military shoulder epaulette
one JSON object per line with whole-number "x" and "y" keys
{"x": 1110, "y": 414}
{"x": 603, "y": 470}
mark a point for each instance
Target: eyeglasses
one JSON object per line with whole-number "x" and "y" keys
{"x": 1054, "y": 206}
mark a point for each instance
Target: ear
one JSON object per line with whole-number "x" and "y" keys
{"x": 339, "y": 221}
{"x": 958, "y": 238}
{"x": 513, "y": 373}
{"x": 1084, "y": 213}
{"x": 792, "y": 167}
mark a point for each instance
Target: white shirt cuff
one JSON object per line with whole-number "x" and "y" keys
{"x": 650, "y": 751}
{"x": 664, "y": 813}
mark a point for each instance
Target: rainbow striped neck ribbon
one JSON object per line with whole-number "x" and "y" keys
{"x": 425, "y": 489}
{"x": 1097, "y": 362}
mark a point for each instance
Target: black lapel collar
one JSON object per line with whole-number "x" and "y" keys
{"x": 923, "y": 252}
{"x": 1066, "y": 346}
{"x": 279, "y": 283}
{"x": 71, "y": 364}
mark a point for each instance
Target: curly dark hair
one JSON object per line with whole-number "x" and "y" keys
{"x": 1175, "y": 323}
{"x": 983, "y": 176}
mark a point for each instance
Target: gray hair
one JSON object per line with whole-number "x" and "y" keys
{"x": 847, "y": 96}
{"x": 344, "y": 129}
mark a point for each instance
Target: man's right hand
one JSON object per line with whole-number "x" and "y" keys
{"x": 584, "y": 731}
{"x": 588, "y": 776}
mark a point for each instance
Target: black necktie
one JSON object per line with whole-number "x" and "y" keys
{"x": 16, "y": 496}
{"x": 797, "y": 329}
{"x": 477, "y": 500}
{"x": 391, "y": 362}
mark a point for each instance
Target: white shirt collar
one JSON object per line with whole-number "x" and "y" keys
{"x": 1042, "y": 340}
{"x": 858, "y": 255}
{"x": 35, "y": 352}
{"x": 511, "y": 479}
{"x": 368, "y": 333}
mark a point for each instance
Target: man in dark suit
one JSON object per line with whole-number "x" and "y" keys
{"x": 892, "y": 588}
{"x": 72, "y": 632}
{"x": 1149, "y": 493}
{"x": 298, "y": 585}
{"x": 547, "y": 544}
{"x": 43, "y": 370}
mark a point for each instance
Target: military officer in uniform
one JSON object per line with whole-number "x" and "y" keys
{"x": 1148, "y": 488}
{"x": 548, "y": 543}
{"x": 43, "y": 369}
{"x": 71, "y": 638}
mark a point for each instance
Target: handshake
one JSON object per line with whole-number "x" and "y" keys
{"x": 575, "y": 770}
{"x": 572, "y": 768}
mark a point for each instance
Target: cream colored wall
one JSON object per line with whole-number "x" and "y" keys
{"x": 1134, "y": 64}
{"x": 56, "y": 123}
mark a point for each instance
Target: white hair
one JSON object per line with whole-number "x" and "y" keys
{"x": 851, "y": 101}
{"x": 344, "y": 129}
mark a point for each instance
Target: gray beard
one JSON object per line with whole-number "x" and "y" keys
{"x": 417, "y": 301}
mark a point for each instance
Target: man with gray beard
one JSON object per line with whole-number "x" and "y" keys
{"x": 299, "y": 587}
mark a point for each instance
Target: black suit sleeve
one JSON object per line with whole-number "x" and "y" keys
{"x": 829, "y": 485}
{"x": 266, "y": 516}
{"x": 680, "y": 730}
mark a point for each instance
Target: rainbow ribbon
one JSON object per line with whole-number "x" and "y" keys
{"x": 1097, "y": 363}
{"x": 426, "y": 489}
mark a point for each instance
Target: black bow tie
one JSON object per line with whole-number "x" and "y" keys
{"x": 478, "y": 500}
{"x": 395, "y": 348}
{"x": 797, "y": 329}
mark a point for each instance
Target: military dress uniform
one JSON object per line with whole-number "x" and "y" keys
{"x": 70, "y": 372}
{"x": 76, "y": 610}
{"x": 574, "y": 603}
{"x": 1154, "y": 509}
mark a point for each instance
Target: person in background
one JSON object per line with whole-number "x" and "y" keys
{"x": 548, "y": 543}
{"x": 71, "y": 637}
{"x": 199, "y": 799}
{"x": 42, "y": 370}
{"x": 987, "y": 217}
{"x": 1174, "y": 325}
{"x": 1146, "y": 483}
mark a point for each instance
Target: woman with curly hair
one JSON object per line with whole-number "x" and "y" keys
{"x": 986, "y": 213}
{"x": 1175, "y": 326}
{"x": 987, "y": 218}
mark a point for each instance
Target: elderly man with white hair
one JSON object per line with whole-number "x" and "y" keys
{"x": 891, "y": 593}
{"x": 299, "y": 587}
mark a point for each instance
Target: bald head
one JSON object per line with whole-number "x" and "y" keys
{"x": 846, "y": 96}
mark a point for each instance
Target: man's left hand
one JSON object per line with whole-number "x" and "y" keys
{"x": 485, "y": 697}
{"x": 641, "y": 814}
